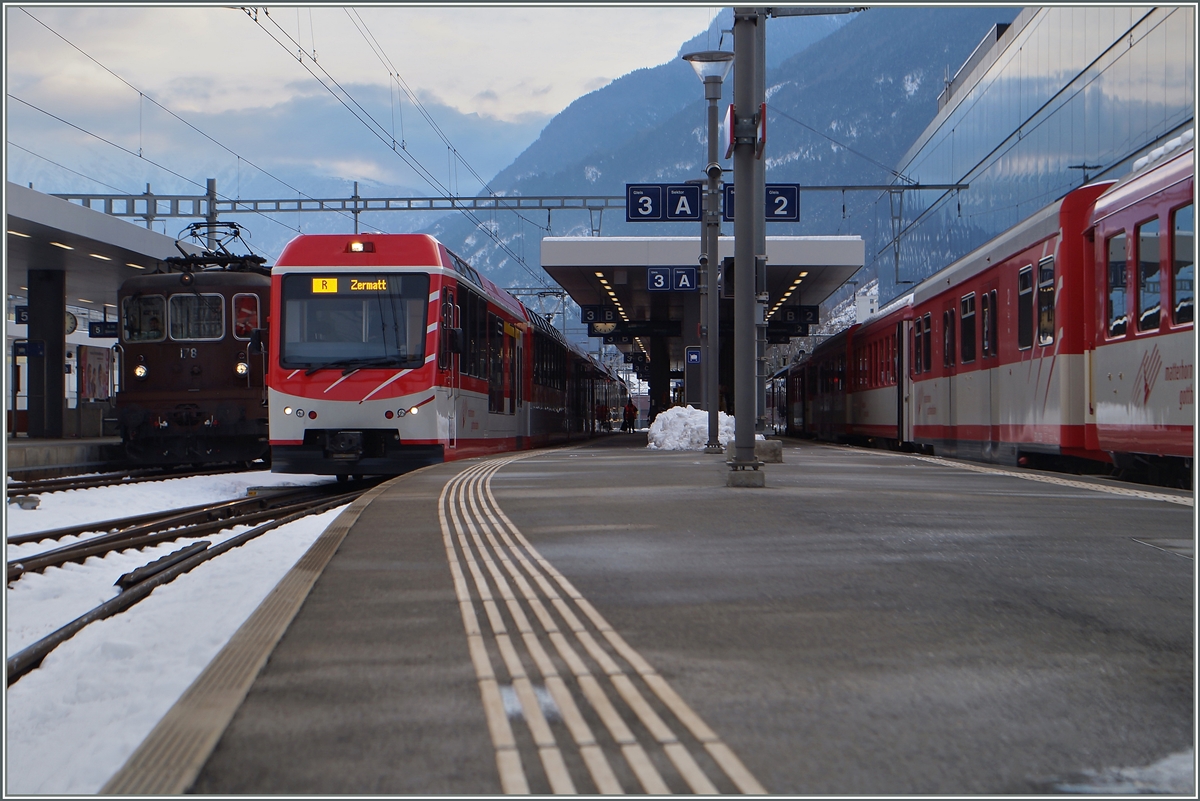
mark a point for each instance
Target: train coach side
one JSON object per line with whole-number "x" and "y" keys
{"x": 1070, "y": 336}
{"x": 1141, "y": 394}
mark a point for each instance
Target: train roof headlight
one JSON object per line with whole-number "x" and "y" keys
{"x": 241, "y": 368}
{"x": 141, "y": 371}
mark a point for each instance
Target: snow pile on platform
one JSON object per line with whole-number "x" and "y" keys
{"x": 682, "y": 428}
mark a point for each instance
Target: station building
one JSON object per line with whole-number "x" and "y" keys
{"x": 1060, "y": 97}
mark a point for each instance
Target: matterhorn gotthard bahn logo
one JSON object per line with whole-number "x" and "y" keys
{"x": 1147, "y": 374}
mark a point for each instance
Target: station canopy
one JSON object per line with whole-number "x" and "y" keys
{"x": 578, "y": 263}
{"x": 96, "y": 250}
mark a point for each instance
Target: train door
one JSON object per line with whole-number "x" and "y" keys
{"x": 949, "y": 366}
{"x": 449, "y": 361}
{"x": 519, "y": 388}
{"x": 989, "y": 375}
{"x": 904, "y": 382}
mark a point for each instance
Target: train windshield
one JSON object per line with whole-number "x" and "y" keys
{"x": 354, "y": 320}
{"x": 143, "y": 317}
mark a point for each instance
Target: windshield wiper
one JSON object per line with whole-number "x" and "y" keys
{"x": 348, "y": 366}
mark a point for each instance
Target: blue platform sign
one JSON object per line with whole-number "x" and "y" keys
{"x": 662, "y": 203}
{"x": 683, "y": 279}
{"x": 22, "y": 315}
{"x": 595, "y": 314}
{"x": 644, "y": 203}
{"x": 658, "y": 279}
{"x": 102, "y": 330}
{"x": 782, "y": 203}
{"x": 693, "y": 354}
{"x": 25, "y": 347}
{"x": 683, "y": 203}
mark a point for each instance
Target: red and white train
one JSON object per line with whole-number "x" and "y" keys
{"x": 1069, "y": 335}
{"x": 387, "y": 352}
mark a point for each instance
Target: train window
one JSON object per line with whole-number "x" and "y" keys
{"x": 1046, "y": 301}
{"x": 915, "y": 365}
{"x": 948, "y": 338}
{"x": 445, "y": 329}
{"x": 927, "y": 347}
{"x": 1025, "y": 308}
{"x": 1183, "y": 246}
{"x": 1148, "y": 276}
{"x": 245, "y": 315}
{"x": 375, "y": 318}
{"x": 495, "y": 363}
{"x": 985, "y": 313}
{"x": 995, "y": 338}
{"x": 196, "y": 316}
{"x": 1115, "y": 263}
{"x": 967, "y": 328}
{"x": 143, "y": 317}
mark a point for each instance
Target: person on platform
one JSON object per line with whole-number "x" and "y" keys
{"x": 630, "y": 423}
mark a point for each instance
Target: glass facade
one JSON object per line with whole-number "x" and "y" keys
{"x": 1077, "y": 93}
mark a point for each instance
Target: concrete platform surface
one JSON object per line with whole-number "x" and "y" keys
{"x": 24, "y": 455}
{"x": 606, "y": 618}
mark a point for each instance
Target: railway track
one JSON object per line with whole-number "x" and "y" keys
{"x": 40, "y": 486}
{"x": 145, "y": 530}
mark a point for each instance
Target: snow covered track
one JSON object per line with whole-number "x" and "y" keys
{"x": 145, "y": 530}
{"x": 163, "y": 571}
{"x": 485, "y": 535}
{"x": 38, "y": 486}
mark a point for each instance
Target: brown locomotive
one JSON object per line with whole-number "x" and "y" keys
{"x": 192, "y": 392}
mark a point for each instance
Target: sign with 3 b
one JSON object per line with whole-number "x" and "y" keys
{"x": 598, "y": 314}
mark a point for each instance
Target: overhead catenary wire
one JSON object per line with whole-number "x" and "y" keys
{"x": 142, "y": 96}
{"x": 380, "y": 132}
{"x": 394, "y": 74}
{"x": 11, "y": 143}
{"x": 124, "y": 149}
{"x": 786, "y": 116}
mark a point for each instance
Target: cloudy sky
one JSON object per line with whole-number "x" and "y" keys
{"x": 88, "y": 85}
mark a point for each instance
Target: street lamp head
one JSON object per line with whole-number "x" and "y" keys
{"x": 710, "y": 64}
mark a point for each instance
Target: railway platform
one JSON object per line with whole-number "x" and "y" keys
{"x": 608, "y": 618}
{"x": 43, "y": 458}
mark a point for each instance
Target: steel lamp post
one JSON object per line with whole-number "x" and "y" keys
{"x": 711, "y": 66}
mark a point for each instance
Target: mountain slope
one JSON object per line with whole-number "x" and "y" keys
{"x": 842, "y": 110}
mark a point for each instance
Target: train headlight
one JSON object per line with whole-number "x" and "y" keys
{"x": 140, "y": 371}
{"x": 287, "y": 409}
{"x": 413, "y": 410}
{"x": 242, "y": 369}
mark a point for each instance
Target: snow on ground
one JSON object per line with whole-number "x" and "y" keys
{"x": 683, "y": 428}
{"x": 73, "y": 722}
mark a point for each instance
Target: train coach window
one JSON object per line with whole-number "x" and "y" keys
{"x": 985, "y": 324}
{"x": 1148, "y": 280}
{"x": 915, "y": 364}
{"x": 927, "y": 345}
{"x": 948, "y": 338}
{"x": 1046, "y": 301}
{"x": 195, "y": 316}
{"x": 1115, "y": 262}
{"x": 967, "y": 328}
{"x": 1025, "y": 308}
{"x": 245, "y": 315}
{"x": 1183, "y": 248}
{"x": 143, "y": 317}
